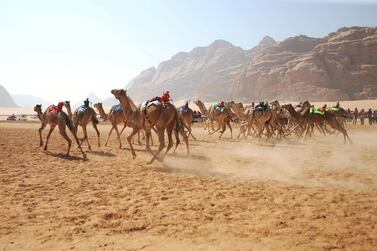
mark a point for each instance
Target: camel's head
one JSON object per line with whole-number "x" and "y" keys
{"x": 98, "y": 105}
{"x": 67, "y": 104}
{"x": 119, "y": 92}
{"x": 38, "y": 108}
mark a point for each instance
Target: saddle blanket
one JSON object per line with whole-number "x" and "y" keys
{"x": 81, "y": 108}
{"x": 183, "y": 109}
{"x": 317, "y": 111}
{"x": 118, "y": 108}
{"x": 146, "y": 104}
{"x": 219, "y": 108}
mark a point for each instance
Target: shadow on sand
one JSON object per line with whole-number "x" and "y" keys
{"x": 102, "y": 153}
{"x": 198, "y": 172}
{"x": 64, "y": 156}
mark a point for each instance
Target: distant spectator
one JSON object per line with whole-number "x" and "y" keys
{"x": 370, "y": 116}
{"x": 362, "y": 116}
{"x": 355, "y": 116}
{"x": 375, "y": 116}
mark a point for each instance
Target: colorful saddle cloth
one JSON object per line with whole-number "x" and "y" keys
{"x": 318, "y": 111}
{"x": 55, "y": 109}
{"x": 118, "y": 108}
{"x": 334, "y": 109}
{"x": 153, "y": 101}
{"x": 184, "y": 108}
{"x": 218, "y": 107}
{"x": 81, "y": 109}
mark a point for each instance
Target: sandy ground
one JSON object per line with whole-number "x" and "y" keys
{"x": 227, "y": 195}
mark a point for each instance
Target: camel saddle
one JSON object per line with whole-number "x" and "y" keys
{"x": 218, "y": 107}
{"x": 262, "y": 106}
{"x": 118, "y": 108}
{"x": 184, "y": 108}
{"x": 153, "y": 101}
{"x": 82, "y": 108}
{"x": 318, "y": 111}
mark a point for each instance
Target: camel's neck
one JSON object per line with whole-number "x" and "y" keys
{"x": 69, "y": 112}
{"x": 238, "y": 113}
{"x": 40, "y": 115}
{"x": 102, "y": 112}
{"x": 124, "y": 101}
{"x": 202, "y": 108}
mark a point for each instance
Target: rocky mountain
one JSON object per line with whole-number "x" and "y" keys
{"x": 5, "y": 98}
{"x": 205, "y": 72}
{"x": 342, "y": 65}
{"x": 30, "y": 101}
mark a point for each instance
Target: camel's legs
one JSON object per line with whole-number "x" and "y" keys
{"x": 118, "y": 135}
{"x": 40, "y": 133}
{"x": 190, "y": 132}
{"x": 86, "y": 137}
{"x": 169, "y": 130}
{"x": 129, "y": 140}
{"x": 335, "y": 124}
{"x": 230, "y": 128}
{"x": 177, "y": 140}
{"x": 65, "y": 136}
{"x": 98, "y": 134}
{"x": 161, "y": 137}
{"x": 124, "y": 127}
{"x": 74, "y": 133}
{"x": 108, "y": 136}
{"x": 223, "y": 129}
{"x": 52, "y": 127}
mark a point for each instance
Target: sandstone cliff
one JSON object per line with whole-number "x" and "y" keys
{"x": 5, "y": 98}
{"x": 342, "y": 65}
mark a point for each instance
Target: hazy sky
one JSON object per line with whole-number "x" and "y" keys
{"x": 68, "y": 48}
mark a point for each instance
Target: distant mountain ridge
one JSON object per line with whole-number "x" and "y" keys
{"x": 6, "y": 99}
{"x": 340, "y": 66}
{"x": 29, "y": 100}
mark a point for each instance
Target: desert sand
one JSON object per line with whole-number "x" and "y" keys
{"x": 317, "y": 194}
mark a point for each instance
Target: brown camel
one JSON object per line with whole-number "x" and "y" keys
{"x": 61, "y": 120}
{"x": 266, "y": 118}
{"x": 214, "y": 115}
{"x": 115, "y": 116}
{"x": 82, "y": 116}
{"x": 311, "y": 119}
{"x": 162, "y": 117}
{"x": 245, "y": 117}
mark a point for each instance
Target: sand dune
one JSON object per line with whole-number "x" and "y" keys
{"x": 227, "y": 195}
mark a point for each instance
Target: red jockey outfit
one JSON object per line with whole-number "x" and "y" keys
{"x": 165, "y": 97}
{"x": 56, "y": 109}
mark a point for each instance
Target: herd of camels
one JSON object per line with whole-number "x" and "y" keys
{"x": 261, "y": 121}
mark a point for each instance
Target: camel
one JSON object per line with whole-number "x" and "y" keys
{"x": 115, "y": 116}
{"x": 162, "y": 117}
{"x": 266, "y": 118}
{"x": 221, "y": 117}
{"x": 330, "y": 118}
{"x": 82, "y": 117}
{"x": 247, "y": 120}
{"x": 62, "y": 121}
{"x": 187, "y": 115}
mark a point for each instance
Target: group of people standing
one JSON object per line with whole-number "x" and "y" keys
{"x": 361, "y": 115}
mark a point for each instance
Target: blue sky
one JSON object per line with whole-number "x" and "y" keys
{"x": 66, "y": 49}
